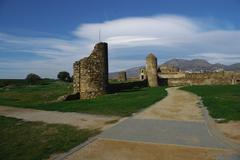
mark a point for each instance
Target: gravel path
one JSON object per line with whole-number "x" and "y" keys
{"x": 178, "y": 105}
{"x": 80, "y": 120}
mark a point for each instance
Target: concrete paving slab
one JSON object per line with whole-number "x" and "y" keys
{"x": 164, "y": 132}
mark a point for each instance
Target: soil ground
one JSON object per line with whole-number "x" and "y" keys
{"x": 231, "y": 130}
{"x": 178, "y": 105}
{"x": 79, "y": 120}
{"x": 105, "y": 149}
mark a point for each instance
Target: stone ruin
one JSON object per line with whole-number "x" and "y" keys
{"x": 151, "y": 70}
{"x": 173, "y": 76}
{"x": 166, "y": 68}
{"x": 122, "y": 76}
{"x": 90, "y": 74}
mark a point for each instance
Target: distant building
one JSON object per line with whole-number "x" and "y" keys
{"x": 219, "y": 70}
{"x": 142, "y": 75}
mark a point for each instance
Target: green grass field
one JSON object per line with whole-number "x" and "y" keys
{"x": 22, "y": 82}
{"x": 122, "y": 103}
{"x": 222, "y": 101}
{"x": 22, "y": 140}
{"x": 31, "y": 95}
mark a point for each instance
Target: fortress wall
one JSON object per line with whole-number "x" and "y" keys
{"x": 210, "y": 78}
{"x": 206, "y": 81}
{"x": 171, "y": 75}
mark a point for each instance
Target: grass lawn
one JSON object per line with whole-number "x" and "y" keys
{"x": 123, "y": 103}
{"x": 30, "y": 95}
{"x": 22, "y": 140}
{"x": 222, "y": 101}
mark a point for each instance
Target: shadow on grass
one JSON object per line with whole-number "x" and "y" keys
{"x": 23, "y": 83}
{"x": 126, "y": 87}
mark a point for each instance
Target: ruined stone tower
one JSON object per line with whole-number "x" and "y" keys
{"x": 90, "y": 77}
{"x": 122, "y": 76}
{"x": 151, "y": 70}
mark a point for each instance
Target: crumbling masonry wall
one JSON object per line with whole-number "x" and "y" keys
{"x": 91, "y": 73}
{"x": 151, "y": 70}
{"x": 211, "y": 78}
{"x": 76, "y": 77}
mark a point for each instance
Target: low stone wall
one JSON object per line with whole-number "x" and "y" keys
{"x": 211, "y": 78}
{"x": 171, "y": 75}
{"x": 197, "y": 81}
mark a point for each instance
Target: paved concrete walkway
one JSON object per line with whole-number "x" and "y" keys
{"x": 164, "y": 132}
{"x": 172, "y": 129}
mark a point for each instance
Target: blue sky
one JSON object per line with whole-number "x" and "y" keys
{"x": 46, "y": 36}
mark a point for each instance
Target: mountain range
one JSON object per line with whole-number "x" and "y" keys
{"x": 185, "y": 65}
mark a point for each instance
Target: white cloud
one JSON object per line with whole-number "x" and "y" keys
{"x": 53, "y": 55}
{"x": 130, "y": 39}
{"x": 135, "y": 30}
{"x": 146, "y": 26}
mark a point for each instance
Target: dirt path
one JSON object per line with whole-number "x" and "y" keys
{"x": 80, "y": 120}
{"x": 106, "y": 149}
{"x": 172, "y": 129}
{"x": 231, "y": 130}
{"x": 178, "y": 105}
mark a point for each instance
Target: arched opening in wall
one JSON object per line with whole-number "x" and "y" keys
{"x": 142, "y": 77}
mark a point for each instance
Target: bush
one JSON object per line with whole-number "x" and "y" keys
{"x": 33, "y": 78}
{"x": 64, "y": 76}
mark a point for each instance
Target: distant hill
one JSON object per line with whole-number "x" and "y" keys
{"x": 201, "y": 64}
{"x": 233, "y": 67}
{"x": 185, "y": 65}
{"x": 195, "y": 64}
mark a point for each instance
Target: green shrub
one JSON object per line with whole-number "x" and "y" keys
{"x": 64, "y": 76}
{"x": 33, "y": 78}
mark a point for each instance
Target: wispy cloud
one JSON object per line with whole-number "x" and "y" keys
{"x": 57, "y": 55}
{"x": 130, "y": 39}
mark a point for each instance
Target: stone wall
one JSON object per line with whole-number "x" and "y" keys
{"x": 199, "y": 81}
{"x": 166, "y": 68}
{"x": 91, "y": 73}
{"x": 171, "y": 75}
{"x": 151, "y": 70}
{"x": 210, "y": 78}
{"x": 122, "y": 76}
